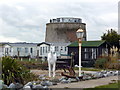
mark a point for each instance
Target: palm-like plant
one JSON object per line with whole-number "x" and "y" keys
{"x": 12, "y": 71}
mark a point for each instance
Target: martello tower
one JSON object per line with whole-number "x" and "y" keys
{"x": 63, "y": 30}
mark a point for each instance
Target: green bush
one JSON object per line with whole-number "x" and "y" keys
{"x": 34, "y": 65}
{"x": 12, "y": 71}
{"x": 101, "y": 62}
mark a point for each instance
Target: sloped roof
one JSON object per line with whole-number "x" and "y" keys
{"x": 55, "y": 44}
{"x": 43, "y": 43}
{"x": 23, "y": 44}
{"x": 87, "y": 43}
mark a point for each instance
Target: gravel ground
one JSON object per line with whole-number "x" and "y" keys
{"x": 88, "y": 83}
{"x": 81, "y": 84}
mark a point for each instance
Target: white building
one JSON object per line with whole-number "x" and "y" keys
{"x": 60, "y": 48}
{"x": 20, "y": 49}
{"x": 32, "y": 49}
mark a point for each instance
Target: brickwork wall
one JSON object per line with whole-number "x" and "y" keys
{"x": 63, "y": 32}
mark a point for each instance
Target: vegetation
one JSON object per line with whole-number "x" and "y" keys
{"x": 91, "y": 69}
{"x": 111, "y": 37}
{"x": 34, "y": 65}
{"x": 88, "y": 69}
{"x": 101, "y": 62}
{"x": 108, "y": 62}
{"x": 112, "y": 86}
{"x": 12, "y": 71}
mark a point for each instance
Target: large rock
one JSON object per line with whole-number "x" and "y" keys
{"x": 54, "y": 83}
{"x": 37, "y": 86}
{"x": 27, "y": 87}
{"x": 18, "y": 86}
{"x": 29, "y": 84}
{"x": 109, "y": 73}
{"x": 55, "y": 80}
{"x": 72, "y": 80}
{"x": 98, "y": 75}
{"x": 65, "y": 81}
{"x": 12, "y": 85}
{"x": 116, "y": 73}
{"x": 62, "y": 78}
{"x": 15, "y": 85}
{"x": 4, "y": 86}
{"x": 46, "y": 83}
{"x": 42, "y": 77}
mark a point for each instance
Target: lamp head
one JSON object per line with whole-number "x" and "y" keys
{"x": 79, "y": 33}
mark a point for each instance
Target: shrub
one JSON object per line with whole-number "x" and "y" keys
{"x": 107, "y": 62}
{"x": 44, "y": 66}
{"x": 101, "y": 62}
{"x": 34, "y": 65}
{"x": 12, "y": 71}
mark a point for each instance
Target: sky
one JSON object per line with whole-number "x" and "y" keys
{"x": 25, "y": 20}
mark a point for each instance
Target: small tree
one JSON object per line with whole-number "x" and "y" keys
{"x": 111, "y": 37}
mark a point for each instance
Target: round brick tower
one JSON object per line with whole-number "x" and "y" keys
{"x": 63, "y": 30}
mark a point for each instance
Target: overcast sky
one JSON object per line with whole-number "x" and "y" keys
{"x": 25, "y": 20}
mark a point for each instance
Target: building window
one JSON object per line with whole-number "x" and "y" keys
{"x": 55, "y": 48}
{"x": 31, "y": 50}
{"x": 65, "y": 48}
{"x": 40, "y": 50}
{"x": 61, "y": 48}
{"x": 18, "y": 49}
{"x": 10, "y": 49}
{"x": 6, "y": 50}
{"x": 46, "y": 49}
{"x": 43, "y": 49}
{"x": 86, "y": 55}
{"x": 26, "y": 50}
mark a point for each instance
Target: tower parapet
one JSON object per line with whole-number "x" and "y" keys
{"x": 66, "y": 20}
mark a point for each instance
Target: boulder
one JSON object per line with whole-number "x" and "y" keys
{"x": 55, "y": 80}
{"x": 105, "y": 75}
{"x": 54, "y": 83}
{"x": 42, "y": 77}
{"x": 116, "y": 73}
{"x": 45, "y": 86}
{"x": 4, "y": 86}
{"x": 12, "y": 85}
{"x": 77, "y": 78}
{"x": 37, "y": 86}
{"x": 29, "y": 84}
{"x": 97, "y": 75}
{"x": 72, "y": 80}
{"x": 65, "y": 81}
{"x": 15, "y": 85}
{"x": 27, "y": 87}
{"x": 18, "y": 86}
{"x": 46, "y": 83}
{"x": 62, "y": 78}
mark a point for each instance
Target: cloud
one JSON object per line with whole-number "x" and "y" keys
{"x": 23, "y": 21}
{"x": 6, "y": 39}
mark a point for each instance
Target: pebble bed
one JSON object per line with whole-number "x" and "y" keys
{"x": 44, "y": 82}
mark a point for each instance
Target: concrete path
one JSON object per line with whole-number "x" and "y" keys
{"x": 87, "y": 83}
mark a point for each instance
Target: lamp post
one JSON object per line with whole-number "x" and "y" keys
{"x": 79, "y": 34}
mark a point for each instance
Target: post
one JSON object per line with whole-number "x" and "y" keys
{"x": 79, "y": 34}
{"x": 79, "y": 57}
